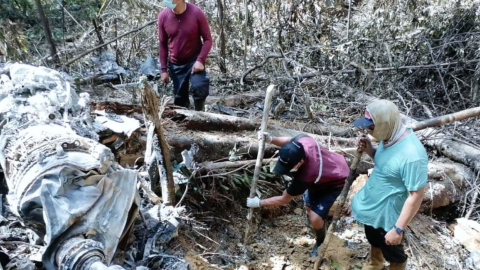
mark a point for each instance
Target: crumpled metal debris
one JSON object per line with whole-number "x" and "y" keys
{"x": 107, "y": 63}
{"x": 19, "y": 264}
{"x": 64, "y": 184}
{"x": 150, "y": 67}
{"x": 165, "y": 220}
{"x": 473, "y": 261}
{"x": 188, "y": 156}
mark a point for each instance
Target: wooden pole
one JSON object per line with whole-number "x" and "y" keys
{"x": 150, "y": 106}
{"x": 261, "y": 150}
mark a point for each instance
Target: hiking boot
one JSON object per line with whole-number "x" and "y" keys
{"x": 320, "y": 237}
{"x": 376, "y": 260}
{"x": 398, "y": 266}
{"x": 199, "y": 105}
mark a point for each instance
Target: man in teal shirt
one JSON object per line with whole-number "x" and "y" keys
{"x": 395, "y": 189}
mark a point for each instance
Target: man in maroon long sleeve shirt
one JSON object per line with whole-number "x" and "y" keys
{"x": 185, "y": 39}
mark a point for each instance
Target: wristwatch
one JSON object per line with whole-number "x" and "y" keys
{"x": 398, "y": 229}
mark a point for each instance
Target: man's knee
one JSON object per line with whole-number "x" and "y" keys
{"x": 200, "y": 85}
{"x": 316, "y": 221}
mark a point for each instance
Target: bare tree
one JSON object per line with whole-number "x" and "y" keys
{"x": 48, "y": 32}
{"x": 245, "y": 34}
{"x": 222, "y": 55}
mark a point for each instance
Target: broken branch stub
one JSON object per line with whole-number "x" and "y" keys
{"x": 261, "y": 150}
{"x": 151, "y": 106}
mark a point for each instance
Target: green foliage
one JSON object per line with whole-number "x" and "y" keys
{"x": 22, "y": 16}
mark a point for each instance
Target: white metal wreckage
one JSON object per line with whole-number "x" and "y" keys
{"x": 62, "y": 182}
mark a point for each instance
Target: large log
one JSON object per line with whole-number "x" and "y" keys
{"x": 228, "y": 101}
{"x": 215, "y": 146}
{"x": 447, "y": 184}
{"x": 194, "y": 120}
{"x": 219, "y": 145}
{"x": 448, "y": 146}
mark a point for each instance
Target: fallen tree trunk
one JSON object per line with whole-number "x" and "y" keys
{"x": 457, "y": 151}
{"x": 214, "y": 166}
{"x": 447, "y": 184}
{"x": 194, "y": 120}
{"x": 216, "y": 146}
{"x": 219, "y": 146}
{"x": 449, "y": 118}
{"x": 234, "y": 100}
{"x": 449, "y": 147}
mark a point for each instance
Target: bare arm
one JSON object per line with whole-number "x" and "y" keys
{"x": 371, "y": 151}
{"x": 410, "y": 208}
{"x": 277, "y": 200}
{"x": 280, "y": 141}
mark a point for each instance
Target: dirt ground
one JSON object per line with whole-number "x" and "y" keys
{"x": 280, "y": 243}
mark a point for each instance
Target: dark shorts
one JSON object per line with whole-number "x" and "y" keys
{"x": 183, "y": 78}
{"x": 376, "y": 238}
{"x": 320, "y": 203}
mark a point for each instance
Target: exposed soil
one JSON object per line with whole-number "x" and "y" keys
{"x": 282, "y": 242}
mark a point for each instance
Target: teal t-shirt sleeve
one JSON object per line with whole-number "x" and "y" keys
{"x": 415, "y": 174}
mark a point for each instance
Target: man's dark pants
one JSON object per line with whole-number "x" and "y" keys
{"x": 391, "y": 253}
{"x": 182, "y": 77}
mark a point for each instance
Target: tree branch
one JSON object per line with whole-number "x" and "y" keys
{"x": 108, "y": 42}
